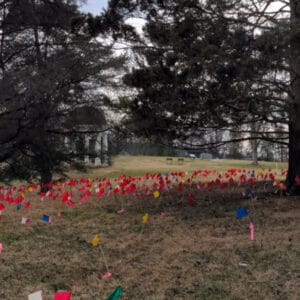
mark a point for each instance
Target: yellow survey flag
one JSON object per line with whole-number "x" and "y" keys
{"x": 145, "y": 219}
{"x": 156, "y": 194}
{"x": 96, "y": 240}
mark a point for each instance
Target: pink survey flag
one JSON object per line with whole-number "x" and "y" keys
{"x": 163, "y": 214}
{"x": 36, "y": 296}
{"x": 107, "y": 275}
{"x": 121, "y": 211}
{"x": 251, "y": 226}
{"x": 1, "y": 247}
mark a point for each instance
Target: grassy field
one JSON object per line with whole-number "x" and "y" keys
{"x": 188, "y": 252}
{"x": 139, "y": 165}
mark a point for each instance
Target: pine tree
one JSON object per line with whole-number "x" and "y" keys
{"x": 214, "y": 64}
{"x": 47, "y": 69}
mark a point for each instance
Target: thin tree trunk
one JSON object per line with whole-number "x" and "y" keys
{"x": 45, "y": 165}
{"x": 254, "y": 152}
{"x": 36, "y": 41}
{"x": 254, "y": 144}
{"x": 45, "y": 170}
{"x": 3, "y": 17}
{"x": 46, "y": 178}
{"x": 294, "y": 127}
{"x": 294, "y": 161}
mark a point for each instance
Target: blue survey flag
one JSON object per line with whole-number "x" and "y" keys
{"x": 46, "y": 219}
{"x": 241, "y": 213}
{"x": 248, "y": 192}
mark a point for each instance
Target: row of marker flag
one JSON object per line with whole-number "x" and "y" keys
{"x": 65, "y": 295}
{"x": 45, "y": 218}
{"x": 60, "y": 295}
{"x": 74, "y": 192}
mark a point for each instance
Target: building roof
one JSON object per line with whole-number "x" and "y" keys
{"x": 86, "y": 115}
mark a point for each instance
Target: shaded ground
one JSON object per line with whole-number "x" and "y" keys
{"x": 200, "y": 252}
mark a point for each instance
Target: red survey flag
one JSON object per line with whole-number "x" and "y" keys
{"x": 63, "y": 295}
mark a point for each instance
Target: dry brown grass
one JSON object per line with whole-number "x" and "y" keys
{"x": 200, "y": 252}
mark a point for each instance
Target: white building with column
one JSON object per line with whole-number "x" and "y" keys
{"x": 89, "y": 134}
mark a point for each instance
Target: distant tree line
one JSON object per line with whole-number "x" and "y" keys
{"x": 266, "y": 151}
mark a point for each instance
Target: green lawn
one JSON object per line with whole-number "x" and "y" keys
{"x": 140, "y": 165}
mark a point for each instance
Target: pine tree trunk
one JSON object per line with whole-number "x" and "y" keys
{"x": 45, "y": 171}
{"x": 294, "y": 127}
{"x": 46, "y": 178}
{"x": 294, "y": 159}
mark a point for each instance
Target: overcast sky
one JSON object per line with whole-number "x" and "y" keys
{"x": 94, "y": 6}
